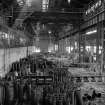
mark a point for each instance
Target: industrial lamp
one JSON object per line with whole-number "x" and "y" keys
{"x": 49, "y": 32}
{"x": 91, "y": 32}
{"x": 69, "y": 1}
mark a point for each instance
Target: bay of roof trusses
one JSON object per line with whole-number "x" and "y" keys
{"x": 58, "y": 5}
{"x": 72, "y": 4}
{"x": 5, "y": 4}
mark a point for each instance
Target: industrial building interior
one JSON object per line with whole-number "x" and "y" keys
{"x": 52, "y": 52}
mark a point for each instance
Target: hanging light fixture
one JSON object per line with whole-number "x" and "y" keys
{"x": 49, "y": 32}
{"x": 91, "y": 32}
{"x": 20, "y": 2}
{"x": 69, "y": 1}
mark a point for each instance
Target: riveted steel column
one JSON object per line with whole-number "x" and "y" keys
{"x": 103, "y": 41}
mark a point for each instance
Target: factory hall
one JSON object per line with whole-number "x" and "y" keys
{"x": 52, "y": 52}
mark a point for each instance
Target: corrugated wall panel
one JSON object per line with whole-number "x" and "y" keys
{"x": 8, "y": 56}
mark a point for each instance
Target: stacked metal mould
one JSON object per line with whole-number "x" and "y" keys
{"x": 36, "y": 80}
{"x": 26, "y": 81}
{"x": 90, "y": 87}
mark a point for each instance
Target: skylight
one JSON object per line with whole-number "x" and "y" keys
{"x": 45, "y": 4}
{"x": 28, "y": 3}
